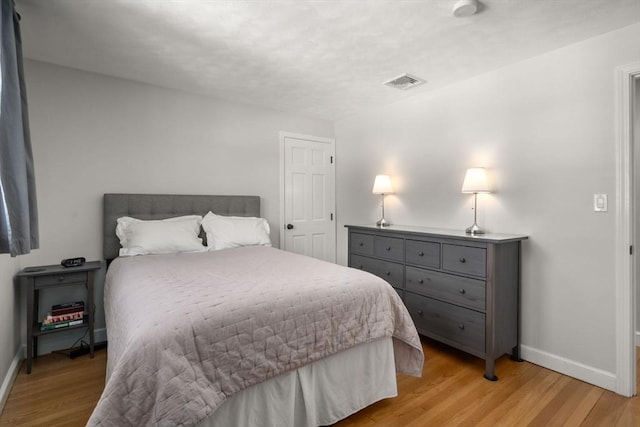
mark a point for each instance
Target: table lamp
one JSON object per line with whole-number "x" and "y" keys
{"x": 475, "y": 181}
{"x": 382, "y": 186}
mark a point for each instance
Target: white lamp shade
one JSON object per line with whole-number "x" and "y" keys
{"x": 382, "y": 185}
{"x": 475, "y": 181}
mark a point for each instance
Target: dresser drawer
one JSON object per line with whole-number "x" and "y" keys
{"x": 389, "y": 271}
{"x": 464, "y": 259}
{"x": 361, "y": 243}
{"x": 60, "y": 279}
{"x": 425, "y": 254}
{"x": 363, "y": 263}
{"x": 449, "y": 322}
{"x": 389, "y": 248}
{"x": 455, "y": 289}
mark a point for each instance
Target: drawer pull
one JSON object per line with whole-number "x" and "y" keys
{"x": 419, "y": 312}
{"x": 361, "y": 243}
{"x": 421, "y": 281}
{"x": 420, "y": 253}
{"x": 360, "y": 266}
{"x": 388, "y": 273}
{"x": 461, "y": 326}
{"x": 388, "y": 248}
{"x": 61, "y": 279}
{"x": 462, "y": 260}
{"x": 462, "y": 291}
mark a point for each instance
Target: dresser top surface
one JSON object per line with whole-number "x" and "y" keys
{"x": 442, "y": 232}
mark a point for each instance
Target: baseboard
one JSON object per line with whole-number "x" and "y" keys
{"x": 589, "y": 374}
{"x": 100, "y": 335}
{"x": 7, "y": 383}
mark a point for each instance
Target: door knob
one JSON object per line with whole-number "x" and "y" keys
{"x": 289, "y": 226}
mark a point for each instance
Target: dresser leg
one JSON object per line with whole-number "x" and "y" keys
{"x": 489, "y": 370}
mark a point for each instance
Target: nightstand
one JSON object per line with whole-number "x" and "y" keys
{"x": 33, "y": 279}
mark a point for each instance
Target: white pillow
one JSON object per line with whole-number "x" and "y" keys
{"x": 234, "y": 231}
{"x": 172, "y": 235}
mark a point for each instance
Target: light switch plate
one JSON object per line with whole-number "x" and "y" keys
{"x": 600, "y": 202}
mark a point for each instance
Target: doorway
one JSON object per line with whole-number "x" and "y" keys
{"x": 307, "y": 195}
{"x": 627, "y": 226}
{"x": 635, "y": 138}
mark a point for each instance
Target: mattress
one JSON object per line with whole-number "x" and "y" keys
{"x": 189, "y": 331}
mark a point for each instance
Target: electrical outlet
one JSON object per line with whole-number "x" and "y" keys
{"x": 600, "y": 202}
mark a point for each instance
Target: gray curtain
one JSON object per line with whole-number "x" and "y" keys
{"x": 18, "y": 209}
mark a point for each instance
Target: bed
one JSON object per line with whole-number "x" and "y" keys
{"x": 244, "y": 336}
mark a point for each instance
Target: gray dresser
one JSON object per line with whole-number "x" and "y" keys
{"x": 461, "y": 290}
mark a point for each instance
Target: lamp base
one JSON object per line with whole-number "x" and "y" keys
{"x": 474, "y": 230}
{"x": 383, "y": 223}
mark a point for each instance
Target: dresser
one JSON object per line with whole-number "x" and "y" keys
{"x": 461, "y": 290}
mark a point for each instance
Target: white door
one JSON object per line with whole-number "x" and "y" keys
{"x": 308, "y": 195}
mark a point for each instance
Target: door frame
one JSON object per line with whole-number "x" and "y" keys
{"x": 320, "y": 139}
{"x": 625, "y": 275}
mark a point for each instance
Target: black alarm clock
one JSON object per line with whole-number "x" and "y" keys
{"x": 73, "y": 262}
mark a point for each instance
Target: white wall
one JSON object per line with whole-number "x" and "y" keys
{"x": 93, "y": 134}
{"x": 545, "y": 129}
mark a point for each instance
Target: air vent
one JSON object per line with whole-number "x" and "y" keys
{"x": 404, "y": 82}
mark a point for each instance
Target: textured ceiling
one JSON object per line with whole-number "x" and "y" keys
{"x": 324, "y": 58}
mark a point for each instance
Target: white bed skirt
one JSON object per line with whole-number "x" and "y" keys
{"x": 315, "y": 395}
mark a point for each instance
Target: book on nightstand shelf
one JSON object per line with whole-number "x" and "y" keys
{"x": 63, "y": 317}
{"x": 66, "y": 308}
{"x": 59, "y": 325}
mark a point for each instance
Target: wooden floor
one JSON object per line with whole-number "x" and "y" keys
{"x": 451, "y": 392}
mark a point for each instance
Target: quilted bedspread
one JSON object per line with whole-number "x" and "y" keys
{"x": 186, "y": 331}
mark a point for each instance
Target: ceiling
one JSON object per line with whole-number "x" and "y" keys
{"x": 320, "y": 58}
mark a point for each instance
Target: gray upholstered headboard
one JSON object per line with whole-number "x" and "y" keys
{"x": 161, "y": 206}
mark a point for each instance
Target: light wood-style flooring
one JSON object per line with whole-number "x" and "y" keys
{"x": 451, "y": 392}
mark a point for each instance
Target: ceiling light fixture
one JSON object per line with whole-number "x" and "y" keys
{"x": 465, "y": 8}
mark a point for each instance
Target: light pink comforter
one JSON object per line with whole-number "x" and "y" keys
{"x": 187, "y": 331}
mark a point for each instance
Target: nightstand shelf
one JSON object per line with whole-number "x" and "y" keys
{"x": 34, "y": 279}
